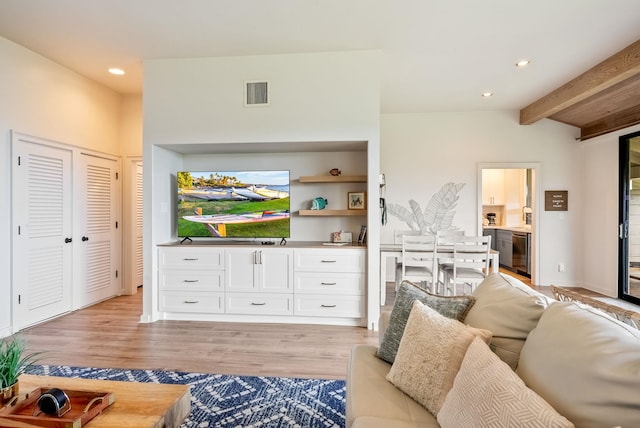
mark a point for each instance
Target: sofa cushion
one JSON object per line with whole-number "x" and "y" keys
{"x": 455, "y": 307}
{"x": 371, "y": 398}
{"x": 510, "y": 310}
{"x": 586, "y": 365}
{"x": 486, "y": 389}
{"x": 430, "y": 354}
{"x": 376, "y": 422}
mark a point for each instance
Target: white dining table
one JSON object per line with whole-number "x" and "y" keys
{"x": 395, "y": 250}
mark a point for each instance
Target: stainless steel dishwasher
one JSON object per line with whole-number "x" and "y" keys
{"x": 521, "y": 261}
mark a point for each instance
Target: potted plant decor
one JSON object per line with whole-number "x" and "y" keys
{"x": 13, "y": 362}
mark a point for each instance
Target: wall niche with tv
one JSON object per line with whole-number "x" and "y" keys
{"x": 266, "y": 193}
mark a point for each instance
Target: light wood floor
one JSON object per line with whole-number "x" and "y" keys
{"x": 109, "y": 335}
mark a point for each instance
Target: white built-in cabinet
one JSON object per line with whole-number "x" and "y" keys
{"x": 299, "y": 283}
{"x": 329, "y": 283}
{"x": 191, "y": 280}
{"x": 259, "y": 281}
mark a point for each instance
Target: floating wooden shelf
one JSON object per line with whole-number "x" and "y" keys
{"x": 333, "y": 179}
{"x": 335, "y": 213}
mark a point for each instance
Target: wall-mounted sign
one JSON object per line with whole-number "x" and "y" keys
{"x": 556, "y": 200}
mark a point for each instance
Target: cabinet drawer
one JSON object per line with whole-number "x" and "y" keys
{"x": 329, "y": 260}
{"x": 329, "y": 283}
{"x": 205, "y": 303}
{"x": 191, "y": 257}
{"x": 186, "y": 280}
{"x": 329, "y": 306}
{"x": 259, "y": 304}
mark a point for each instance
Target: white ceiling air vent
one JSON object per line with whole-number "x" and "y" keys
{"x": 256, "y": 93}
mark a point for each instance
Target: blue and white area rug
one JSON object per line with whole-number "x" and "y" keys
{"x": 236, "y": 401}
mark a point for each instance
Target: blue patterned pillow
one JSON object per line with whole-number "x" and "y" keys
{"x": 455, "y": 307}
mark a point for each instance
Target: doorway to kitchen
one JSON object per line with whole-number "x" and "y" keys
{"x": 629, "y": 219}
{"x": 508, "y": 195}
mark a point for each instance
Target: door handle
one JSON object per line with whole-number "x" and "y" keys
{"x": 623, "y": 230}
{"x": 67, "y": 240}
{"x": 85, "y": 238}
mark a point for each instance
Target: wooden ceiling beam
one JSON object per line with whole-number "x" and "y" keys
{"x": 604, "y": 75}
{"x": 611, "y": 123}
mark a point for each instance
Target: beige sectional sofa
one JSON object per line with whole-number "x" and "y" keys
{"x": 548, "y": 364}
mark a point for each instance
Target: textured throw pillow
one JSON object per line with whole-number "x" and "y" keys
{"x": 455, "y": 307}
{"x": 487, "y": 393}
{"x": 510, "y": 310}
{"x": 430, "y": 354}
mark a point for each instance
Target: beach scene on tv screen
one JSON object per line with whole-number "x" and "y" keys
{"x": 233, "y": 204}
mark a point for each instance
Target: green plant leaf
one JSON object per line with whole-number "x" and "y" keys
{"x": 14, "y": 360}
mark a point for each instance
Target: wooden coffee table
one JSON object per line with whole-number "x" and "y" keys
{"x": 136, "y": 405}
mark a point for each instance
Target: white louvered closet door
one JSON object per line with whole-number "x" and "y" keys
{"x": 97, "y": 259}
{"x": 41, "y": 230}
{"x": 138, "y": 261}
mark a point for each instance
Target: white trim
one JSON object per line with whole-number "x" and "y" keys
{"x": 537, "y": 204}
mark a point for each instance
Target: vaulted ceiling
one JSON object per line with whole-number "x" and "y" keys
{"x": 435, "y": 55}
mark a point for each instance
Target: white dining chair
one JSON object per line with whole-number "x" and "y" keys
{"x": 397, "y": 240}
{"x": 419, "y": 260}
{"x": 469, "y": 265}
{"x": 445, "y": 240}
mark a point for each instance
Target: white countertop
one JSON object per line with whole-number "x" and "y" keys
{"x": 526, "y": 229}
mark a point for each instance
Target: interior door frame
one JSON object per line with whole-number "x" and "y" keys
{"x": 624, "y": 189}
{"x": 129, "y": 286}
{"x": 536, "y": 203}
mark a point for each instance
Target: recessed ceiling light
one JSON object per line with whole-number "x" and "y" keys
{"x": 523, "y": 63}
{"x": 117, "y": 71}
{"x": 487, "y": 94}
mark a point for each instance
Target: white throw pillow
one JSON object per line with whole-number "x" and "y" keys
{"x": 430, "y": 354}
{"x": 487, "y": 393}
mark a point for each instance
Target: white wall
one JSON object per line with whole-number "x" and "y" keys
{"x": 131, "y": 126}
{"x": 600, "y": 167}
{"x": 46, "y": 100}
{"x": 323, "y": 97}
{"x": 421, "y": 152}
{"x": 313, "y": 97}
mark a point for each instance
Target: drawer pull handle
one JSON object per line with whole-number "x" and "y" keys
{"x": 191, "y": 302}
{"x": 328, "y": 306}
{"x": 190, "y": 260}
{"x": 257, "y": 304}
{"x": 328, "y": 261}
{"x": 190, "y": 280}
{"x": 329, "y": 283}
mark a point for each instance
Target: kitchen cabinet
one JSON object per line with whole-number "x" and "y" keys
{"x": 505, "y": 247}
{"x": 494, "y": 238}
{"x": 493, "y": 187}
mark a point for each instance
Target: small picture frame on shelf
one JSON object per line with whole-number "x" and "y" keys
{"x": 362, "y": 238}
{"x": 356, "y": 200}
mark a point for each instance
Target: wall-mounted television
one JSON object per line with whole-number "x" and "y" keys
{"x": 233, "y": 204}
